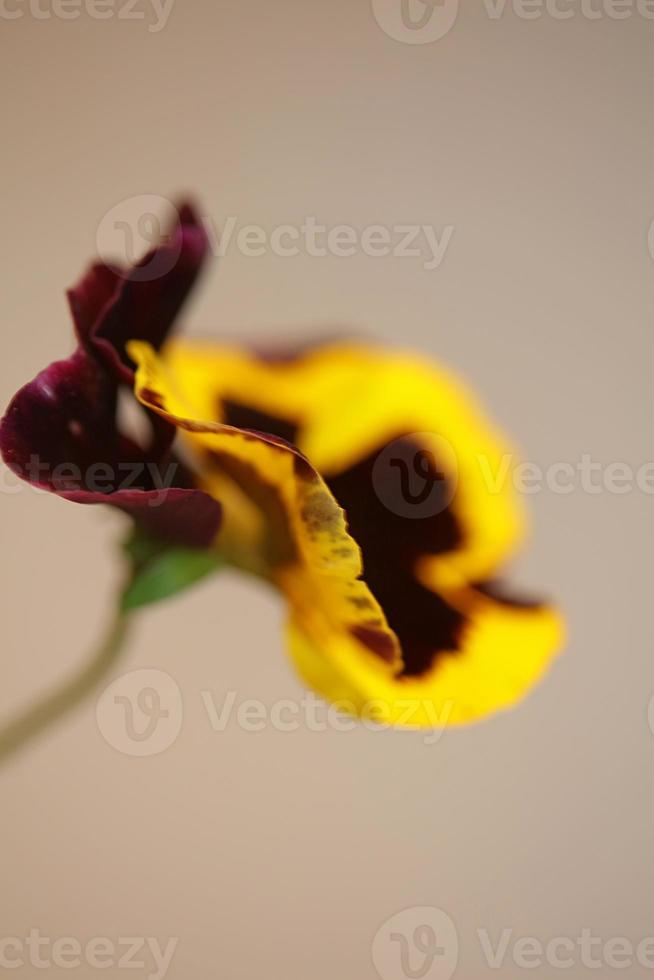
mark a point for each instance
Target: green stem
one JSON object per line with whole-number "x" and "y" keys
{"x": 17, "y": 733}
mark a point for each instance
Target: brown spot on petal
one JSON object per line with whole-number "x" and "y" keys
{"x": 391, "y": 544}
{"x": 380, "y": 642}
{"x": 243, "y": 416}
{"x": 320, "y": 513}
{"x": 361, "y": 602}
{"x": 153, "y": 398}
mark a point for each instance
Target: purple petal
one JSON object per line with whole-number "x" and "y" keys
{"x": 59, "y": 434}
{"x": 186, "y": 517}
{"x": 111, "y": 306}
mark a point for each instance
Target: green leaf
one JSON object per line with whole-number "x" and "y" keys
{"x": 160, "y": 572}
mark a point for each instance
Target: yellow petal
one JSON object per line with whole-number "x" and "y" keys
{"x": 316, "y": 561}
{"x": 466, "y": 653}
{"x": 503, "y": 651}
{"x": 348, "y": 400}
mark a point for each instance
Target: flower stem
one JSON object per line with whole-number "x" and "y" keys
{"x": 26, "y": 726}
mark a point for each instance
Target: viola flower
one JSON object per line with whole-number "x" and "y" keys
{"x": 356, "y": 480}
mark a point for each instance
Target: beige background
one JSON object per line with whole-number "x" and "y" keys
{"x": 276, "y": 854}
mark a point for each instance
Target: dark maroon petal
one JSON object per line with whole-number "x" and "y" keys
{"x": 91, "y": 296}
{"x": 59, "y": 433}
{"x": 111, "y": 306}
{"x": 186, "y": 517}
{"x": 65, "y": 415}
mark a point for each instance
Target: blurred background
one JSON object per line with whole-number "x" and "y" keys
{"x": 523, "y": 137}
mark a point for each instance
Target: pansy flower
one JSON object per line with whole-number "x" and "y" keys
{"x": 361, "y": 482}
